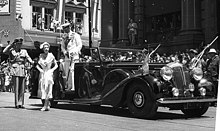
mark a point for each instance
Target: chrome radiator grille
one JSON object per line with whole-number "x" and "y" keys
{"x": 181, "y": 77}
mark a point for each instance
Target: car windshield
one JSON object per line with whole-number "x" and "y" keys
{"x": 112, "y": 55}
{"x": 120, "y": 55}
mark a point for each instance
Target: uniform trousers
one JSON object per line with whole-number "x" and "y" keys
{"x": 19, "y": 82}
{"x": 69, "y": 67}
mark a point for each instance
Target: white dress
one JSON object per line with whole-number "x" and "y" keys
{"x": 46, "y": 77}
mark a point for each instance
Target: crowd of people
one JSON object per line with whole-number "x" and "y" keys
{"x": 55, "y": 25}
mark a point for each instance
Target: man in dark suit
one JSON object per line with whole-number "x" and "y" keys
{"x": 213, "y": 68}
{"x": 18, "y": 57}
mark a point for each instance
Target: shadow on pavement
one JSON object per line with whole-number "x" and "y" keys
{"x": 8, "y": 107}
{"x": 118, "y": 111}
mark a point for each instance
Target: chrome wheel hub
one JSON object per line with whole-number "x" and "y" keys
{"x": 138, "y": 99}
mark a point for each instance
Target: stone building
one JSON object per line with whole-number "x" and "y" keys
{"x": 34, "y": 20}
{"x": 176, "y": 24}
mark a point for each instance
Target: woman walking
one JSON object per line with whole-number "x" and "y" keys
{"x": 46, "y": 65}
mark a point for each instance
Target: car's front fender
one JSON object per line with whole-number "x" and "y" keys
{"x": 115, "y": 92}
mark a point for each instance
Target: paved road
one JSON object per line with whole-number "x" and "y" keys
{"x": 68, "y": 117}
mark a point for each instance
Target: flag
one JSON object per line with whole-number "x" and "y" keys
{"x": 145, "y": 66}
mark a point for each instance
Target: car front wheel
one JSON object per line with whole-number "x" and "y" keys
{"x": 140, "y": 102}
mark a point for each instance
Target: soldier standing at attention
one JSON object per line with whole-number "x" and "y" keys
{"x": 71, "y": 47}
{"x": 18, "y": 57}
{"x": 213, "y": 68}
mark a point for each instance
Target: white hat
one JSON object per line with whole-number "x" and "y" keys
{"x": 43, "y": 44}
{"x": 212, "y": 50}
{"x": 65, "y": 25}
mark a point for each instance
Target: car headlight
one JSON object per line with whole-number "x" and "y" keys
{"x": 175, "y": 91}
{"x": 167, "y": 73}
{"x": 202, "y": 91}
{"x": 197, "y": 74}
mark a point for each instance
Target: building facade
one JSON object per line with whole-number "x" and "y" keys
{"x": 40, "y": 20}
{"x": 176, "y": 24}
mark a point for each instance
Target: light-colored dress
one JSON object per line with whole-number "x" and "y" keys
{"x": 46, "y": 77}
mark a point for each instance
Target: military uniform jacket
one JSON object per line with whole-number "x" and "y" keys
{"x": 73, "y": 45}
{"x": 17, "y": 60}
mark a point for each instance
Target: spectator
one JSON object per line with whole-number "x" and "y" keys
{"x": 194, "y": 62}
{"x": 52, "y": 24}
{"x": 132, "y": 31}
{"x": 213, "y": 68}
{"x": 39, "y": 22}
{"x": 42, "y": 24}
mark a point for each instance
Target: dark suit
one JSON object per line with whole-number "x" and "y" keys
{"x": 213, "y": 71}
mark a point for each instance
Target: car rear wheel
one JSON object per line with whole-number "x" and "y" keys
{"x": 196, "y": 112}
{"x": 140, "y": 102}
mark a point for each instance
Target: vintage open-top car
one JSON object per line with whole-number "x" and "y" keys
{"x": 108, "y": 76}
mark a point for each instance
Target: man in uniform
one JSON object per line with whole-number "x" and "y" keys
{"x": 193, "y": 59}
{"x": 18, "y": 58}
{"x": 213, "y": 68}
{"x": 71, "y": 45}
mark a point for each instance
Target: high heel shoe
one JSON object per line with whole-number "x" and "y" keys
{"x": 21, "y": 106}
{"x": 47, "y": 108}
{"x": 43, "y": 109}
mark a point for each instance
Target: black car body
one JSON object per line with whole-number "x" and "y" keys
{"x": 107, "y": 76}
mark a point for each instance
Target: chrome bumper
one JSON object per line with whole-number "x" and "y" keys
{"x": 179, "y": 101}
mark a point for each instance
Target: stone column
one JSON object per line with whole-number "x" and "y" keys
{"x": 191, "y": 16}
{"x": 123, "y": 19}
{"x": 43, "y": 17}
{"x": 191, "y": 35}
{"x": 139, "y": 19}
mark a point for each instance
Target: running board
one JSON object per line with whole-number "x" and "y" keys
{"x": 80, "y": 101}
